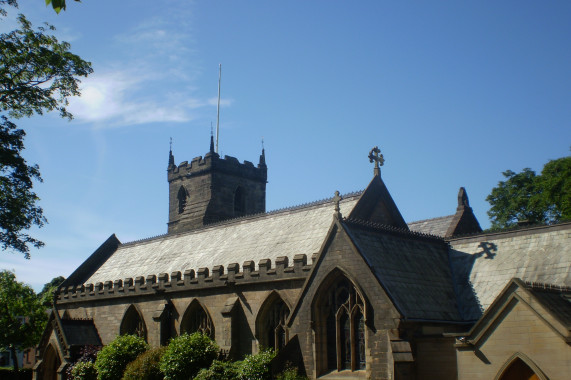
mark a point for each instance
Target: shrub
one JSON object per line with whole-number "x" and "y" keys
{"x": 83, "y": 371}
{"x": 146, "y": 366}
{"x": 220, "y": 370}
{"x": 113, "y": 358}
{"x": 290, "y": 374}
{"x": 87, "y": 353}
{"x": 257, "y": 367}
{"x": 186, "y": 355}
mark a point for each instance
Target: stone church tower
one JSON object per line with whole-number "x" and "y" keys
{"x": 212, "y": 189}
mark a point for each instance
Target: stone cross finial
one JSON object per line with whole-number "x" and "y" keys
{"x": 374, "y": 155}
{"x": 337, "y": 198}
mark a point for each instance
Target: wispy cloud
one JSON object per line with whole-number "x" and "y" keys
{"x": 150, "y": 80}
{"x": 121, "y": 98}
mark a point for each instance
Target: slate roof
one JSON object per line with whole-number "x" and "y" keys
{"x": 484, "y": 264}
{"x": 299, "y": 230}
{"x": 434, "y": 226}
{"x": 414, "y": 270}
{"x": 556, "y": 299}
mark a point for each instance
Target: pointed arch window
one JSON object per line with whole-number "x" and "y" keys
{"x": 275, "y": 326}
{"x": 133, "y": 323}
{"x": 239, "y": 202}
{"x": 340, "y": 329}
{"x": 518, "y": 370}
{"x": 181, "y": 197}
{"x": 271, "y": 322}
{"x": 195, "y": 319}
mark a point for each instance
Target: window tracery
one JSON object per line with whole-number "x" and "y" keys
{"x": 345, "y": 327}
{"x": 197, "y": 319}
{"x": 133, "y": 324}
{"x": 275, "y": 328}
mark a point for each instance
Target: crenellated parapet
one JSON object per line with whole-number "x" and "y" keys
{"x": 212, "y": 161}
{"x": 210, "y": 189}
{"x": 190, "y": 279}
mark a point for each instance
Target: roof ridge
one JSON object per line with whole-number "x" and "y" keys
{"x": 388, "y": 228}
{"x": 511, "y": 230}
{"x": 426, "y": 220}
{"x": 248, "y": 217}
{"x": 546, "y": 286}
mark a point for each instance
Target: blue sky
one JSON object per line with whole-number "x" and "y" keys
{"x": 452, "y": 92}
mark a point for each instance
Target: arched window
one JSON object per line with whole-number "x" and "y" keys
{"x": 239, "y": 202}
{"x": 339, "y": 312}
{"x": 181, "y": 196}
{"x": 195, "y": 319}
{"x": 518, "y": 370}
{"x": 133, "y": 323}
{"x": 271, "y": 322}
{"x": 51, "y": 363}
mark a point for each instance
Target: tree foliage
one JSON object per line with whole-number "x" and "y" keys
{"x": 556, "y": 184}
{"x": 535, "y": 199}
{"x": 47, "y": 293}
{"x": 37, "y": 74}
{"x": 22, "y": 316}
{"x": 18, "y": 202}
{"x": 58, "y": 5}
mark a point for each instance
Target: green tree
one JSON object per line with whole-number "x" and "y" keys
{"x": 22, "y": 316}
{"x": 18, "y": 203}
{"x": 47, "y": 293}
{"x": 37, "y": 74}
{"x": 556, "y": 184}
{"x": 58, "y": 5}
{"x": 532, "y": 198}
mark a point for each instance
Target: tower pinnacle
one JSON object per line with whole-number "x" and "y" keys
{"x": 171, "y": 157}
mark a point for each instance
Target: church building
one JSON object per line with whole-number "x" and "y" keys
{"x": 341, "y": 288}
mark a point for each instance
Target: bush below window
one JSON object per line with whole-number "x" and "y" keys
{"x": 146, "y": 366}
{"x": 186, "y": 355}
{"x": 113, "y": 358}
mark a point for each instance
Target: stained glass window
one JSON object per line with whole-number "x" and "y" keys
{"x": 345, "y": 335}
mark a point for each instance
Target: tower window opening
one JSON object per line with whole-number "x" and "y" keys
{"x": 239, "y": 202}
{"x": 181, "y": 199}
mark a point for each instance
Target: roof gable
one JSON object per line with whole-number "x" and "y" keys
{"x": 550, "y": 303}
{"x": 314, "y": 282}
{"x": 461, "y": 223}
{"x": 412, "y": 268}
{"x": 377, "y": 206}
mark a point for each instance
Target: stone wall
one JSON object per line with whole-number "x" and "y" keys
{"x": 518, "y": 332}
{"x": 218, "y": 292}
